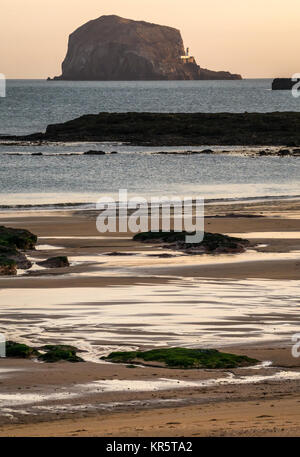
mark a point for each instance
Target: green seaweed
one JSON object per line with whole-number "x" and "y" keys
{"x": 184, "y": 358}
{"x": 5, "y": 261}
{"x": 53, "y": 352}
{"x": 54, "y": 347}
{"x": 60, "y": 353}
{"x": 17, "y": 238}
{"x": 20, "y": 351}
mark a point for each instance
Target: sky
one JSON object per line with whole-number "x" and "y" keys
{"x": 256, "y": 38}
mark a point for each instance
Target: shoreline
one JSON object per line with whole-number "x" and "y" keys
{"x": 89, "y": 206}
{"x": 142, "y": 413}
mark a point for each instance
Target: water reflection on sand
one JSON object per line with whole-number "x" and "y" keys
{"x": 193, "y": 312}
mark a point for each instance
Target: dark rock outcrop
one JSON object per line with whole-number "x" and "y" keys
{"x": 94, "y": 153}
{"x": 213, "y": 243}
{"x": 8, "y": 267}
{"x": 174, "y": 129}
{"x": 114, "y": 48}
{"x": 58, "y": 353}
{"x": 18, "y": 238}
{"x": 50, "y": 353}
{"x": 11, "y": 241}
{"x": 283, "y": 84}
{"x": 20, "y": 351}
{"x": 55, "y": 262}
{"x": 17, "y": 257}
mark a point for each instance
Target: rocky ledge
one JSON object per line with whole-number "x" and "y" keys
{"x": 111, "y": 48}
{"x": 177, "y": 129}
{"x": 213, "y": 243}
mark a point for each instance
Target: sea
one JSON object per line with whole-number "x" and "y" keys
{"x": 63, "y": 176}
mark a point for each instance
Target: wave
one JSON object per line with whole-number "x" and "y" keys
{"x": 92, "y": 205}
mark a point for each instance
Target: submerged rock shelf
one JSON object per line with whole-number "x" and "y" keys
{"x": 177, "y": 129}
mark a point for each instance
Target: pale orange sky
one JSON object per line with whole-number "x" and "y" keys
{"x": 256, "y": 38}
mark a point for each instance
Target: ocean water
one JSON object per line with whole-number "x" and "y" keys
{"x": 31, "y": 105}
{"x": 57, "y": 177}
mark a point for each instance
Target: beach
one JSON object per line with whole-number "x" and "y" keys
{"x": 149, "y": 224}
{"x": 106, "y": 301}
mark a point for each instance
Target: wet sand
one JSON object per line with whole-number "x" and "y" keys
{"x": 255, "y": 418}
{"x": 60, "y": 400}
{"x": 75, "y": 234}
{"x": 230, "y": 410}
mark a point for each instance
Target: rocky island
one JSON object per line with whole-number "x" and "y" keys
{"x": 112, "y": 48}
{"x": 284, "y": 83}
{"x": 176, "y": 129}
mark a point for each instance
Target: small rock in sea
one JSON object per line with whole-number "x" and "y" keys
{"x": 120, "y": 253}
{"x": 284, "y": 152}
{"x": 94, "y": 153}
{"x": 207, "y": 151}
{"x": 162, "y": 256}
{"x": 55, "y": 262}
{"x": 264, "y": 152}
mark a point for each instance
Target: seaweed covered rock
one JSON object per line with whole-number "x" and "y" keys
{"x": 55, "y": 262}
{"x": 54, "y": 347}
{"x": 213, "y": 243}
{"x": 20, "y": 351}
{"x": 8, "y": 267}
{"x": 59, "y": 352}
{"x": 11, "y": 254}
{"x": 17, "y": 238}
{"x": 11, "y": 240}
{"x": 182, "y": 358}
{"x": 49, "y": 353}
{"x": 94, "y": 153}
